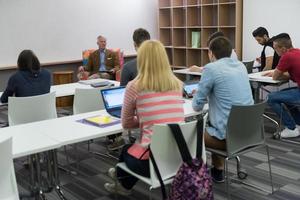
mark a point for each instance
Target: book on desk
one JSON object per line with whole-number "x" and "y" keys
{"x": 100, "y": 120}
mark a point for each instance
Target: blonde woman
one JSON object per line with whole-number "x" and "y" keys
{"x": 153, "y": 97}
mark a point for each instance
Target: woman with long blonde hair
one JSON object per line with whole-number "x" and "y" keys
{"x": 153, "y": 97}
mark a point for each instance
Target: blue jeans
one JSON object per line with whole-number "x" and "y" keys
{"x": 290, "y": 97}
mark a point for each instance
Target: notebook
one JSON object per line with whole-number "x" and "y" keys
{"x": 113, "y": 100}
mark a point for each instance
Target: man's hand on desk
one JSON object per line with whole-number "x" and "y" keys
{"x": 268, "y": 73}
{"x": 94, "y": 76}
{"x": 195, "y": 68}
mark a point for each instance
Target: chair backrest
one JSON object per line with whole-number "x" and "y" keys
{"x": 85, "y": 56}
{"x": 87, "y": 100}
{"x": 165, "y": 151}
{"x": 23, "y": 110}
{"x": 249, "y": 66}
{"x": 245, "y": 127}
{"x": 8, "y": 184}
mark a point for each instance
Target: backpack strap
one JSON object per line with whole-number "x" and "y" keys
{"x": 182, "y": 146}
{"x": 162, "y": 185}
{"x": 199, "y": 138}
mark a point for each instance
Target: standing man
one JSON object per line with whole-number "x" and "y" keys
{"x": 129, "y": 70}
{"x": 269, "y": 58}
{"x": 288, "y": 68}
{"x": 103, "y": 63}
{"x": 224, "y": 82}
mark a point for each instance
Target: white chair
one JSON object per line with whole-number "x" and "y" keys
{"x": 8, "y": 184}
{"x": 87, "y": 100}
{"x": 23, "y": 110}
{"x": 166, "y": 154}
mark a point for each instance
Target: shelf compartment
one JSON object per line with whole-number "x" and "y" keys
{"x": 227, "y": 15}
{"x": 205, "y": 34}
{"x": 189, "y": 37}
{"x": 169, "y": 52}
{"x": 209, "y": 2}
{"x": 179, "y": 57}
{"x": 227, "y": 1}
{"x": 210, "y": 15}
{"x": 192, "y": 2}
{"x": 164, "y": 17}
{"x": 193, "y": 57}
{"x": 194, "y": 16}
{"x": 165, "y": 37}
{"x": 179, "y": 17}
{"x": 204, "y": 57}
{"x": 179, "y": 37}
{"x": 177, "y": 3}
{"x": 230, "y": 34}
{"x": 164, "y": 3}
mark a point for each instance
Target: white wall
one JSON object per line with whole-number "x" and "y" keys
{"x": 276, "y": 15}
{"x": 58, "y": 30}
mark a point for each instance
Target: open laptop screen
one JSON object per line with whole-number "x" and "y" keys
{"x": 113, "y": 97}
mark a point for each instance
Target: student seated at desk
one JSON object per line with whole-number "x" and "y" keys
{"x": 29, "y": 80}
{"x": 288, "y": 68}
{"x": 129, "y": 70}
{"x": 224, "y": 82}
{"x": 233, "y": 55}
{"x": 153, "y": 97}
{"x": 268, "y": 58}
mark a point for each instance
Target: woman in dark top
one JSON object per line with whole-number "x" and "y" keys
{"x": 29, "y": 80}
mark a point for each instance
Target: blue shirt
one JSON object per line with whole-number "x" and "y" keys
{"x": 102, "y": 66}
{"x": 224, "y": 83}
{"x": 24, "y": 83}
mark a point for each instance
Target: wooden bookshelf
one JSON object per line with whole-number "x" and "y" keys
{"x": 179, "y": 19}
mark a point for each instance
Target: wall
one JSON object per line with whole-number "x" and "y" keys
{"x": 276, "y": 15}
{"x": 58, "y": 30}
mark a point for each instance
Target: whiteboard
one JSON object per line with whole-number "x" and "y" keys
{"x": 58, "y": 30}
{"x": 276, "y": 16}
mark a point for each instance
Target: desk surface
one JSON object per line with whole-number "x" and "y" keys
{"x": 257, "y": 77}
{"x": 187, "y": 72}
{"x": 51, "y": 134}
{"x": 69, "y": 88}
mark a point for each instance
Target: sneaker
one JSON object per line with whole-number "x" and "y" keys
{"x": 118, "y": 143}
{"x": 288, "y": 133}
{"x": 112, "y": 173}
{"x": 117, "y": 188}
{"x": 217, "y": 175}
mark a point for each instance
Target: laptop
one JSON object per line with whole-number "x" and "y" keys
{"x": 113, "y": 100}
{"x": 189, "y": 87}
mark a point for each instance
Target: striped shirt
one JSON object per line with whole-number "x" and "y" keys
{"x": 144, "y": 109}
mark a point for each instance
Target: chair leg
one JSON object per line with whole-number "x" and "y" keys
{"x": 150, "y": 194}
{"x": 241, "y": 173}
{"x": 270, "y": 171}
{"x": 227, "y": 178}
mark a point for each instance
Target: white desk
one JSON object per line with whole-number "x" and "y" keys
{"x": 260, "y": 79}
{"x": 28, "y": 141}
{"x": 69, "y": 88}
{"x": 50, "y": 134}
{"x": 187, "y": 72}
{"x": 257, "y": 77}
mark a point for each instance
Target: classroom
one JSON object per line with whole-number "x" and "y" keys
{"x": 152, "y": 99}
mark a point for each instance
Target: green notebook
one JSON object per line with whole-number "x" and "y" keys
{"x": 195, "y": 39}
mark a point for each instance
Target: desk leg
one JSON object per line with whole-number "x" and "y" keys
{"x": 256, "y": 86}
{"x": 38, "y": 177}
{"x": 56, "y": 176}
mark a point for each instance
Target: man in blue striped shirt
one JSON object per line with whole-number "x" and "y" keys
{"x": 224, "y": 82}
